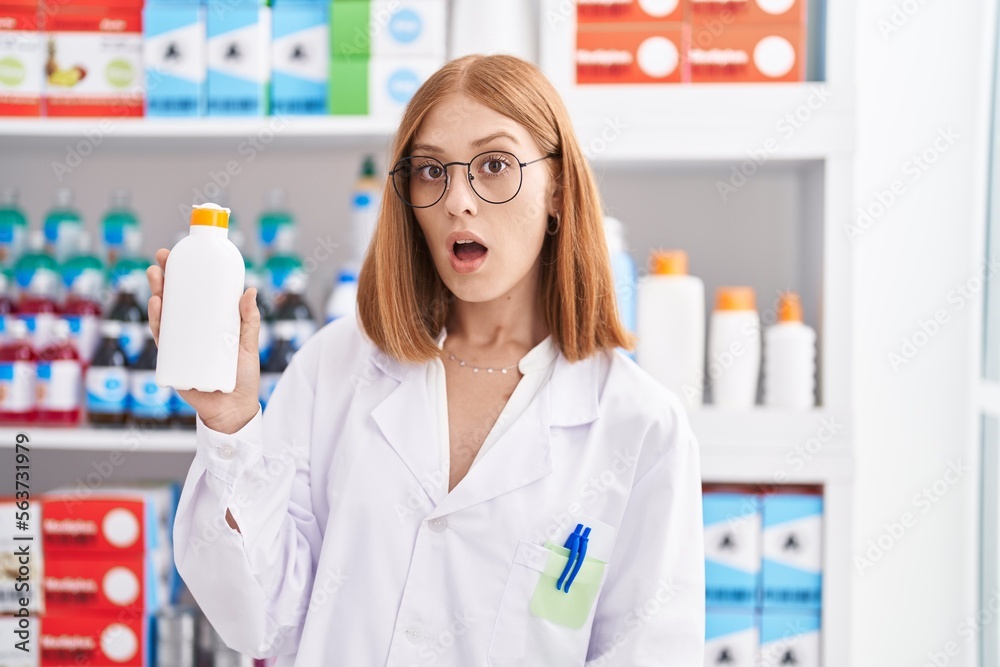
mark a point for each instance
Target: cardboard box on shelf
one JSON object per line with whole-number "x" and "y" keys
{"x": 792, "y": 573}
{"x": 93, "y": 63}
{"x": 97, "y": 640}
{"x": 789, "y": 639}
{"x": 85, "y": 584}
{"x": 732, "y": 637}
{"x": 742, "y": 54}
{"x": 632, "y": 55}
{"x": 20, "y": 575}
{"x": 375, "y": 28}
{"x": 630, "y": 11}
{"x": 379, "y": 86}
{"x": 300, "y": 58}
{"x": 732, "y": 549}
{"x": 741, "y": 12}
{"x": 22, "y": 58}
{"x": 174, "y": 55}
{"x": 239, "y": 62}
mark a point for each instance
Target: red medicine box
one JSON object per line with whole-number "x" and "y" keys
{"x": 650, "y": 55}
{"x": 630, "y": 11}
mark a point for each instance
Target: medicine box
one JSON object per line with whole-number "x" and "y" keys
{"x": 792, "y": 549}
{"x": 747, "y": 54}
{"x": 732, "y": 549}
{"x": 632, "y": 55}
{"x": 22, "y": 58}
{"x": 300, "y": 58}
{"x": 630, "y": 11}
{"x": 96, "y": 640}
{"x": 725, "y": 13}
{"x": 174, "y": 54}
{"x": 363, "y": 28}
{"x": 239, "y": 63}
{"x": 93, "y": 64}
{"x": 380, "y": 86}
{"x": 732, "y": 637}
{"x": 789, "y": 639}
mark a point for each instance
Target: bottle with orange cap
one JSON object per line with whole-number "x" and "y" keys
{"x": 671, "y": 325}
{"x": 734, "y": 348}
{"x": 198, "y": 346}
{"x": 790, "y": 358}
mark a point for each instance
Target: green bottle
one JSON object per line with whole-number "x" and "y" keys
{"x": 35, "y": 257}
{"x": 62, "y": 226}
{"x": 132, "y": 262}
{"x": 13, "y": 227}
{"x": 119, "y": 223}
{"x": 275, "y": 222}
{"x": 82, "y": 260}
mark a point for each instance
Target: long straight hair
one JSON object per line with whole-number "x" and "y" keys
{"x": 402, "y": 301}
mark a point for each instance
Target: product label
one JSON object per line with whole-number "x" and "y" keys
{"x": 107, "y": 389}
{"x": 740, "y": 12}
{"x": 238, "y": 61}
{"x": 174, "y": 53}
{"x": 22, "y": 62}
{"x": 148, "y": 400}
{"x": 85, "y": 334}
{"x": 301, "y": 56}
{"x": 747, "y": 54}
{"x": 634, "y": 56}
{"x": 629, "y": 11}
{"x": 59, "y": 384}
{"x": 132, "y": 339}
{"x": 17, "y": 386}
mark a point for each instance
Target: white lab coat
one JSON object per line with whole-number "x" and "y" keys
{"x": 354, "y": 553}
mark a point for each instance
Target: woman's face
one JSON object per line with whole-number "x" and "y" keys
{"x": 511, "y": 234}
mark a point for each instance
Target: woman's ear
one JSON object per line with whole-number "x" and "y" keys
{"x": 556, "y": 199}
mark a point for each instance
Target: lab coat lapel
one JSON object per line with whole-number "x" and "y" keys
{"x": 408, "y": 420}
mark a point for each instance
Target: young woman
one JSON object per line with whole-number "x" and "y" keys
{"x": 467, "y": 473}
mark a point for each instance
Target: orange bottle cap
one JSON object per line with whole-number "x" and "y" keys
{"x": 210, "y": 215}
{"x": 735, "y": 298}
{"x": 669, "y": 262}
{"x": 789, "y": 307}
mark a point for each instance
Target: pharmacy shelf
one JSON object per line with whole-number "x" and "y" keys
{"x": 760, "y": 445}
{"x": 641, "y": 123}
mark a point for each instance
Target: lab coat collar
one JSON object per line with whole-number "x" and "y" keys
{"x": 518, "y": 458}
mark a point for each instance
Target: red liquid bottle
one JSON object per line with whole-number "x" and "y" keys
{"x": 37, "y": 307}
{"x": 82, "y": 311}
{"x": 7, "y": 305}
{"x": 18, "y": 370}
{"x": 60, "y": 381}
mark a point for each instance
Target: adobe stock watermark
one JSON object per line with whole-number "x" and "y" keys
{"x": 967, "y": 629}
{"x": 922, "y": 501}
{"x": 899, "y": 16}
{"x": 912, "y": 170}
{"x": 786, "y": 127}
{"x": 637, "y": 618}
{"x": 609, "y": 134}
{"x": 928, "y": 329}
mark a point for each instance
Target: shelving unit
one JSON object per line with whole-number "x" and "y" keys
{"x": 799, "y": 136}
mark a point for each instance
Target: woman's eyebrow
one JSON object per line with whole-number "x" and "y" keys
{"x": 478, "y": 143}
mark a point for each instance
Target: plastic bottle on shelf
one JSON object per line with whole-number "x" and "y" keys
{"x": 200, "y": 319}
{"x": 82, "y": 312}
{"x": 60, "y": 380}
{"x": 62, "y": 227}
{"x": 34, "y": 258}
{"x": 119, "y": 225}
{"x": 734, "y": 348}
{"x": 282, "y": 262}
{"x": 291, "y": 306}
{"x": 18, "y": 376}
{"x": 624, "y": 273}
{"x": 38, "y": 308}
{"x": 281, "y": 354}
{"x": 82, "y": 259}
{"x": 132, "y": 263}
{"x": 13, "y": 226}
{"x": 8, "y": 307}
{"x": 107, "y": 379}
{"x": 132, "y": 317}
{"x": 365, "y": 204}
{"x": 671, "y": 326}
{"x": 344, "y": 296}
{"x": 253, "y": 279}
{"x": 149, "y": 404}
{"x": 275, "y": 222}
{"x": 790, "y": 358}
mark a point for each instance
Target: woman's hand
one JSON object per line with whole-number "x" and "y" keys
{"x": 225, "y": 413}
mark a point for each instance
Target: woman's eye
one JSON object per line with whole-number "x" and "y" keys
{"x": 431, "y": 172}
{"x": 494, "y": 166}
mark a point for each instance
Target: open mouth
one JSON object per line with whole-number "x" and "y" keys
{"x": 468, "y": 251}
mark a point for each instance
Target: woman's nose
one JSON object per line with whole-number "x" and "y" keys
{"x": 459, "y": 197}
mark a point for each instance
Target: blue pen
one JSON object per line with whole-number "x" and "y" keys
{"x": 584, "y": 539}
{"x": 573, "y": 544}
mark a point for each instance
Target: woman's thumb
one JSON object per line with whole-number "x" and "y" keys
{"x": 249, "y": 321}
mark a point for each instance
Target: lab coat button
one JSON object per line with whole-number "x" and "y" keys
{"x": 227, "y": 452}
{"x": 414, "y": 634}
{"x": 438, "y": 525}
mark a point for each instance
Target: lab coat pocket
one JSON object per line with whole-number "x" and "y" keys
{"x": 537, "y": 623}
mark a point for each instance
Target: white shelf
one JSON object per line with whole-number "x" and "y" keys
{"x": 759, "y": 445}
{"x": 614, "y": 124}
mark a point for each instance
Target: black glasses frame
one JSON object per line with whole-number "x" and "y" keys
{"x": 468, "y": 171}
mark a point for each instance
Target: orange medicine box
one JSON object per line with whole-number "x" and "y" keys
{"x": 629, "y": 11}
{"x": 650, "y": 55}
{"x": 85, "y": 584}
{"x": 93, "y": 66}
{"x": 22, "y": 49}
{"x": 740, "y": 54}
{"x": 96, "y": 640}
{"x": 745, "y": 12}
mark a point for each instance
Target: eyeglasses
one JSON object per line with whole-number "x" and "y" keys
{"x": 495, "y": 176}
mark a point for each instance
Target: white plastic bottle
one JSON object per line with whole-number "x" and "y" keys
{"x": 200, "y": 316}
{"x": 344, "y": 296}
{"x": 790, "y": 358}
{"x": 734, "y": 348}
{"x": 671, "y": 326}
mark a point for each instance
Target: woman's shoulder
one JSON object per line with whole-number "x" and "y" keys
{"x": 639, "y": 394}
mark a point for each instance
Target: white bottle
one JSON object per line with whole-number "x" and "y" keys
{"x": 493, "y": 27}
{"x": 734, "y": 348}
{"x": 671, "y": 326}
{"x": 200, "y": 317}
{"x": 344, "y": 297}
{"x": 790, "y": 358}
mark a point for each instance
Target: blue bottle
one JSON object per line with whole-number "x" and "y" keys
{"x": 625, "y": 275}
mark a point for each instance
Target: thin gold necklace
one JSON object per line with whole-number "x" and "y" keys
{"x": 475, "y": 369}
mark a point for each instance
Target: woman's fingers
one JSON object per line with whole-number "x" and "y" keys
{"x": 153, "y": 311}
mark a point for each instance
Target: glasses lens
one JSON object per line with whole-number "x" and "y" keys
{"x": 496, "y": 176}
{"x": 419, "y": 181}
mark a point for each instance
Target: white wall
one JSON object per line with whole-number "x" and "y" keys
{"x": 912, "y": 421}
